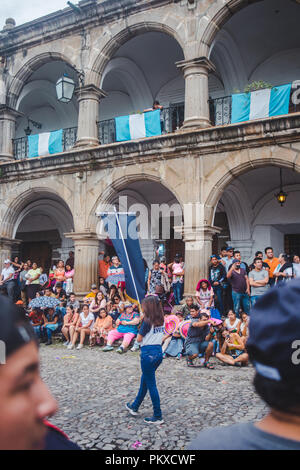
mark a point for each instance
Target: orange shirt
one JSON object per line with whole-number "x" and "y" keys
{"x": 272, "y": 265}
{"x": 103, "y": 268}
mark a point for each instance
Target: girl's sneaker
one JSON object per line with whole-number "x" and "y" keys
{"x": 135, "y": 348}
{"x": 131, "y": 410}
{"x": 120, "y": 350}
{"x": 164, "y": 356}
{"x": 80, "y": 346}
{"x": 154, "y": 420}
{"x": 70, "y": 346}
{"x": 179, "y": 356}
{"x": 107, "y": 348}
{"x": 66, "y": 343}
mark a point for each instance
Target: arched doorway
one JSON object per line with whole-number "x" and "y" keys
{"x": 158, "y": 214}
{"x": 255, "y": 218}
{"x": 39, "y": 225}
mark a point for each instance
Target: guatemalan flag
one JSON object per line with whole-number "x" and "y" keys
{"x": 261, "y": 103}
{"x": 138, "y": 126}
{"x": 46, "y": 143}
{"x": 122, "y": 231}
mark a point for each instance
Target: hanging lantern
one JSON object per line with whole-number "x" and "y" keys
{"x": 281, "y": 196}
{"x": 65, "y": 88}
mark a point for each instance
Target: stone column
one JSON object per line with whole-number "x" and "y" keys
{"x": 8, "y": 117}
{"x": 196, "y": 111}
{"x": 86, "y": 246}
{"x": 198, "y": 249}
{"x": 6, "y": 245}
{"x": 245, "y": 247}
{"x": 88, "y": 97}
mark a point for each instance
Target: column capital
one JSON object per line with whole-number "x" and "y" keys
{"x": 9, "y": 241}
{"x": 197, "y": 65}
{"x": 6, "y": 112}
{"x": 200, "y": 233}
{"x": 89, "y": 92}
{"x": 90, "y": 237}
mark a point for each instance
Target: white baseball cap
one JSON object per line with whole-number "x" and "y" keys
{"x": 7, "y": 261}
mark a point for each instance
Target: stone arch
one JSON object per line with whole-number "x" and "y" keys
{"x": 115, "y": 42}
{"x": 107, "y": 196}
{"x": 133, "y": 78}
{"x": 24, "y": 73}
{"x": 221, "y": 183}
{"x": 213, "y": 20}
{"x": 16, "y": 210}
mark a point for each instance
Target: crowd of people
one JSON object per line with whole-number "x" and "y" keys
{"x": 217, "y": 315}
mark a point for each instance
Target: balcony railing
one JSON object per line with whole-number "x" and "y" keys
{"x": 171, "y": 119}
{"x": 220, "y": 110}
{"x": 21, "y": 144}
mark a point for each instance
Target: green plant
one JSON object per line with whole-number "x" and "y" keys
{"x": 257, "y": 85}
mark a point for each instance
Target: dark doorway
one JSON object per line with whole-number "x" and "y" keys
{"x": 38, "y": 252}
{"x": 292, "y": 244}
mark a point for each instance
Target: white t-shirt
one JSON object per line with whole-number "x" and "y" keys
{"x": 229, "y": 326}
{"x": 6, "y": 272}
{"x": 296, "y": 267}
{"x": 85, "y": 320}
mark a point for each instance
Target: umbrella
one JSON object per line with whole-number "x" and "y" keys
{"x": 183, "y": 328}
{"x": 171, "y": 324}
{"x": 44, "y": 302}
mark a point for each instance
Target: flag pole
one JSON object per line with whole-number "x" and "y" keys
{"x": 125, "y": 249}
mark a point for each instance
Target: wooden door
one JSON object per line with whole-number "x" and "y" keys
{"x": 38, "y": 252}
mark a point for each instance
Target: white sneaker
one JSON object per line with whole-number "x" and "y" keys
{"x": 66, "y": 343}
{"x": 80, "y": 346}
{"x": 71, "y": 346}
{"x": 134, "y": 348}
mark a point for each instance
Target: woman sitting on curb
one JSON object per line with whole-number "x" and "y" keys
{"x": 102, "y": 326}
{"x": 233, "y": 349}
{"x": 127, "y": 328}
{"x": 70, "y": 320}
{"x": 83, "y": 327}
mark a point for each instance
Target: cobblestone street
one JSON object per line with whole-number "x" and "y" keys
{"x": 92, "y": 388}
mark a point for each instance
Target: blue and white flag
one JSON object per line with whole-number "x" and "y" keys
{"x": 122, "y": 231}
{"x": 138, "y": 126}
{"x": 46, "y": 143}
{"x": 261, "y": 104}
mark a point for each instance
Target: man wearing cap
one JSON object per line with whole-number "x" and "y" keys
{"x": 25, "y": 401}
{"x": 7, "y": 279}
{"x": 217, "y": 276}
{"x": 275, "y": 353}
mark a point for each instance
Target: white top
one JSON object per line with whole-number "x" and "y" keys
{"x": 229, "y": 326}
{"x": 6, "y": 272}
{"x": 85, "y": 320}
{"x": 296, "y": 267}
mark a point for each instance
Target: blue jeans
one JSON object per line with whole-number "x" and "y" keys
{"x": 151, "y": 358}
{"x": 240, "y": 300}
{"x": 218, "y": 290}
{"x": 254, "y": 299}
{"x": 177, "y": 289}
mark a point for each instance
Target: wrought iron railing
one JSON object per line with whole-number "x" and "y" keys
{"x": 220, "y": 110}
{"x": 171, "y": 119}
{"x": 68, "y": 141}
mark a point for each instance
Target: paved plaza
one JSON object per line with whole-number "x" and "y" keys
{"x": 92, "y": 388}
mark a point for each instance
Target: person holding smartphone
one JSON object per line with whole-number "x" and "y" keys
{"x": 233, "y": 349}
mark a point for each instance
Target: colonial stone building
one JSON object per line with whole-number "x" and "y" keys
{"x": 190, "y": 55}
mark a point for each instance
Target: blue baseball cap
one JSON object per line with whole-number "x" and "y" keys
{"x": 274, "y": 333}
{"x": 229, "y": 248}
